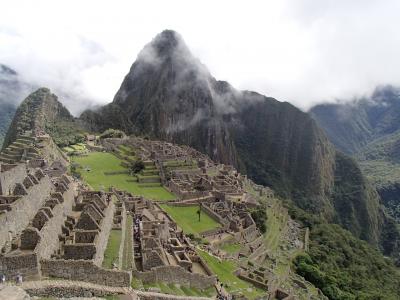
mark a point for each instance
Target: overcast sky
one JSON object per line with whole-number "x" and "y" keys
{"x": 300, "y": 51}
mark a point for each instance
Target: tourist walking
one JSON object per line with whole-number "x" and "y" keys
{"x": 2, "y": 279}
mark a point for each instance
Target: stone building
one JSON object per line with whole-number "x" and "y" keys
{"x": 32, "y": 210}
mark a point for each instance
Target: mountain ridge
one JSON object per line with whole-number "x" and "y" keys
{"x": 169, "y": 95}
{"x": 368, "y": 129}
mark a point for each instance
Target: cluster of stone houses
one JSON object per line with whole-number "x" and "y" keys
{"x": 161, "y": 251}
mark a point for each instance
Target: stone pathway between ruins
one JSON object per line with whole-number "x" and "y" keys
{"x": 130, "y": 293}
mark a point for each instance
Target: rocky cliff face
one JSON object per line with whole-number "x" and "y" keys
{"x": 168, "y": 94}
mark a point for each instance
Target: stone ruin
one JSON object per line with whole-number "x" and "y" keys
{"x": 32, "y": 209}
{"x": 85, "y": 232}
{"x": 158, "y": 244}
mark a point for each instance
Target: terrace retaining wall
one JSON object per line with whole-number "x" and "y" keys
{"x": 102, "y": 238}
{"x": 176, "y": 274}
{"x": 83, "y": 270}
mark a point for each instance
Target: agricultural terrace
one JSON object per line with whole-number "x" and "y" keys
{"x": 224, "y": 269}
{"x": 73, "y": 149}
{"x": 102, "y": 170}
{"x": 188, "y": 219}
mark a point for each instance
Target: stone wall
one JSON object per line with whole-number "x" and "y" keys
{"x": 56, "y": 292}
{"x": 102, "y": 238}
{"x": 23, "y": 210}
{"x": 82, "y": 270}
{"x": 214, "y": 215}
{"x": 176, "y": 274}
{"x": 49, "y": 242}
{"x": 123, "y": 236}
{"x": 25, "y": 264}
{"x": 80, "y": 251}
{"x": 10, "y": 176}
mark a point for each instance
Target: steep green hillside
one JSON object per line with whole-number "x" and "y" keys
{"x": 369, "y": 129}
{"x": 342, "y": 266}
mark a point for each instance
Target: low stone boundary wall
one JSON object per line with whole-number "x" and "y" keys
{"x": 158, "y": 296}
{"x": 82, "y": 270}
{"x": 176, "y": 274}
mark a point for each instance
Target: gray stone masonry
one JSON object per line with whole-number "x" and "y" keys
{"x": 23, "y": 210}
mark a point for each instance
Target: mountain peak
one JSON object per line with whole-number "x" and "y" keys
{"x": 166, "y": 45}
{"x": 167, "y": 41}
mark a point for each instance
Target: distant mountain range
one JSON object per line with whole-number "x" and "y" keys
{"x": 168, "y": 94}
{"x": 369, "y": 130}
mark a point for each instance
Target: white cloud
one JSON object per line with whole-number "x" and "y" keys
{"x": 301, "y": 51}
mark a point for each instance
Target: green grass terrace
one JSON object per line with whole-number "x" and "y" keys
{"x": 102, "y": 170}
{"x": 224, "y": 269}
{"x": 111, "y": 255}
{"x": 187, "y": 218}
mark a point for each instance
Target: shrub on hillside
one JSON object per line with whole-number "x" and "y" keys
{"x": 112, "y": 133}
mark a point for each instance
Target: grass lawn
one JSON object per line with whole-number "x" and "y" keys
{"x": 93, "y": 166}
{"x": 187, "y": 218}
{"x": 225, "y": 271}
{"x": 112, "y": 250}
{"x": 127, "y": 256}
{"x": 230, "y": 248}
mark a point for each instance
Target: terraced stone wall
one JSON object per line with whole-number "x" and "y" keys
{"x": 83, "y": 270}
